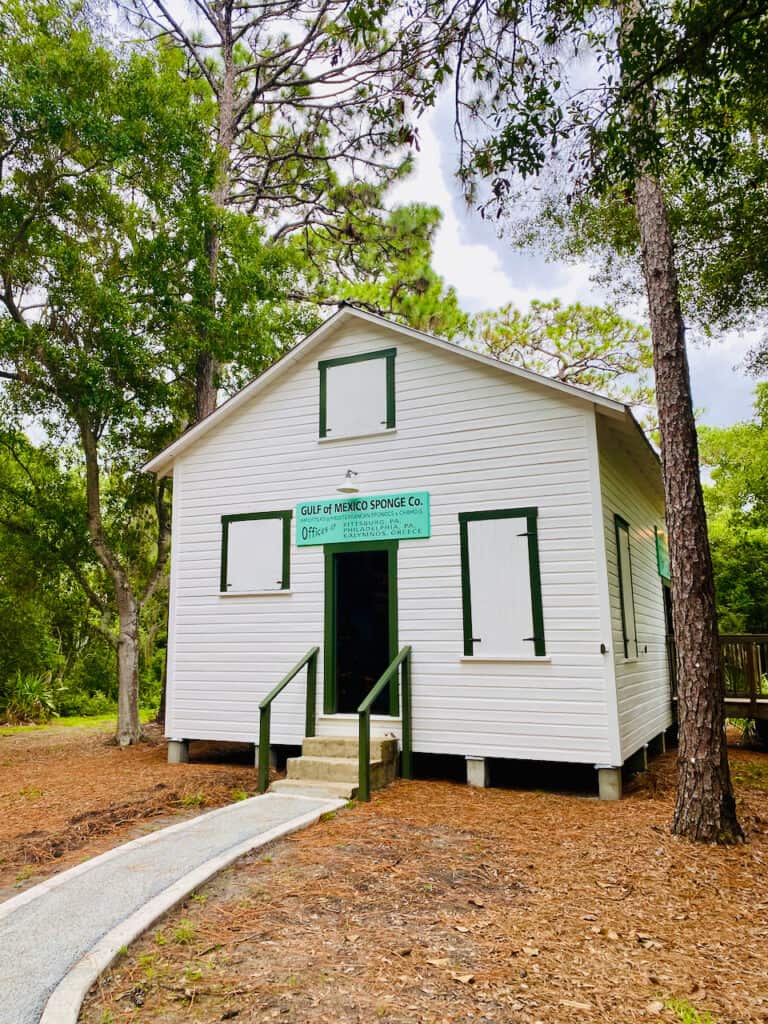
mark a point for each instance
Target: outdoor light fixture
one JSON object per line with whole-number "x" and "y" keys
{"x": 348, "y": 485}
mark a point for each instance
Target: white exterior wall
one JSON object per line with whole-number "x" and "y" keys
{"x": 631, "y": 487}
{"x": 476, "y": 439}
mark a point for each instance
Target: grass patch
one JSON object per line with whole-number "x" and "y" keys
{"x": 238, "y": 794}
{"x": 31, "y": 792}
{"x": 687, "y": 1013}
{"x": 185, "y": 932}
{"x": 72, "y": 722}
{"x": 751, "y": 774}
{"x": 194, "y": 799}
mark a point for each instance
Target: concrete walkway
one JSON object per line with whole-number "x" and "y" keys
{"x": 56, "y": 938}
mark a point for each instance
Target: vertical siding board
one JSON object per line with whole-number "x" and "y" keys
{"x": 476, "y": 440}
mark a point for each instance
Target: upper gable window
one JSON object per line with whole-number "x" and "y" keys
{"x": 357, "y": 394}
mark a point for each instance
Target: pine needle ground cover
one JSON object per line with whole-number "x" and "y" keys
{"x": 67, "y": 793}
{"x": 441, "y": 904}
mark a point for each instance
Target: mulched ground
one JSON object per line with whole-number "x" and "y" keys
{"x": 441, "y": 904}
{"x": 66, "y": 794}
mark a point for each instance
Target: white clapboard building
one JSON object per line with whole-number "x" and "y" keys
{"x": 379, "y": 488}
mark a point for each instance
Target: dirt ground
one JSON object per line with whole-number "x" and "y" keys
{"x": 441, "y": 904}
{"x": 66, "y": 794}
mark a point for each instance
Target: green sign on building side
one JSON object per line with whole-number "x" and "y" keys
{"x": 346, "y": 519}
{"x": 662, "y": 554}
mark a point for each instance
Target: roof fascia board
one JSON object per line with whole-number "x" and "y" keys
{"x": 494, "y": 364}
{"x": 162, "y": 462}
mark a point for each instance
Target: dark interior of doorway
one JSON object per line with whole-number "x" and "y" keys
{"x": 362, "y": 627}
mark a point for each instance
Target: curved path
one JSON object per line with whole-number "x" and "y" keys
{"x": 57, "y": 937}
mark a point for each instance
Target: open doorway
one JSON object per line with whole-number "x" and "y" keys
{"x": 361, "y": 624}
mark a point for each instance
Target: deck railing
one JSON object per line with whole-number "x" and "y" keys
{"x": 745, "y": 665}
{"x": 399, "y": 670}
{"x": 265, "y": 710}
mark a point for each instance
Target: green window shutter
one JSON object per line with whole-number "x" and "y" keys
{"x": 533, "y": 618}
{"x": 326, "y": 366}
{"x": 229, "y": 524}
{"x": 626, "y": 588}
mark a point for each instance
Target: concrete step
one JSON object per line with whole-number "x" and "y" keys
{"x": 338, "y": 769}
{"x": 312, "y": 787}
{"x": 347, "y": 746}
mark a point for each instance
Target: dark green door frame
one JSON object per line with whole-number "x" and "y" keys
{"x": 331, "y": 593}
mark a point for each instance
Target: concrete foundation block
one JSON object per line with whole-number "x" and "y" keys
{"x": 178, "y": 751}
{"x": 272, "y": 757}
{"x": 609, "y": 783}
{"x": 477, "y": 772}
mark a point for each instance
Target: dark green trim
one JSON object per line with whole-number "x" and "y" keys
{"x": 265, "y": 710}
{"x": 622, "y": 524}
{"x": 385, "y": 353}
{"x": 331, "y": 591}
{"x": 534, "y": 570}
{"x": 285, "y": 515}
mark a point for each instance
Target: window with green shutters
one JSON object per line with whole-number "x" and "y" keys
{"x": 357, "y": 394}
{"x": 255, "y": 552}
{"x": 626, "y": 590}
{"x": 501, "y": 583}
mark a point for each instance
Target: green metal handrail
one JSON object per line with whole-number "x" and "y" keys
{"x": 265, "y": 711}
{"x": 364, "y": 711}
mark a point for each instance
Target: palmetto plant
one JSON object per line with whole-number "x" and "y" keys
{"x": 28, "y": 697}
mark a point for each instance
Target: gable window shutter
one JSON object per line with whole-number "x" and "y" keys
{"x": 501, "y": 584}
{"x": 357, "y": 394}
{"x": 255, "y": 552}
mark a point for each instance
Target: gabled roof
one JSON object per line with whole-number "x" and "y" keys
{"x": 162, "y": 462}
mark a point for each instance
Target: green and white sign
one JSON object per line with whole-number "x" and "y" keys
{"x": 662, "y": 554}
{"x": 359, "y": 517}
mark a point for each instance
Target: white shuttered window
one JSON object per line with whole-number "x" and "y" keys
{"x": 501, "y": 584}
{"x": 255, "y": 555}
{"x": 357, "y": 394}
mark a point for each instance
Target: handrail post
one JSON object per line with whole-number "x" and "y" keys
{"x": 364, "y": 755}
{"x": 752, "y": 655}
{"x": 406, "y": 763}
{"x": 309, "y": 721}
{"x": 264, "y": 723}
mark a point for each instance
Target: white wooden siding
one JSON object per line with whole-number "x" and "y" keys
{"x": 476, "y": 439}
{"x": 642, "y": 682}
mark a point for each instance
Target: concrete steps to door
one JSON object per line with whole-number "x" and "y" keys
{"x": 329, "y": 766}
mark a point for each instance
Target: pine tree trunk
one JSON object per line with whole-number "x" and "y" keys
{"x": 705, "y": 809}
{"x": 128, "y": 724}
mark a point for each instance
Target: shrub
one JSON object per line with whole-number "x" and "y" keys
{"x": 73, "y": 702}
{"x": 28, "y": 697}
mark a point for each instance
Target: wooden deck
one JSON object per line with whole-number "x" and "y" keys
{"x": 745, "y": 667}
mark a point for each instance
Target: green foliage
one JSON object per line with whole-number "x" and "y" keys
{"x": 687, "y": 1013}
{"x": 28, "y": 698}
{"x": 589, "y": 346}
{"x": 393, "y": 274}
{"x": 737, "y": 512}
{"x": 185, "y": 932}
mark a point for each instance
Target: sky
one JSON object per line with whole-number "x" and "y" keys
{"x": 487, "y": 272}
